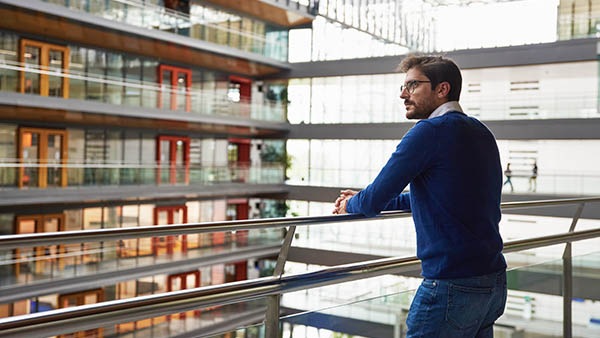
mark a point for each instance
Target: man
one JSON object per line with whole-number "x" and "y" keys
{"x": 533, "y": 178}
{"x": 508, "y": 174}
{"x": 452, "y": 164}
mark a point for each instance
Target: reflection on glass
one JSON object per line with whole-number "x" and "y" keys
{"x": 182, "y": 92}
{"x": 55, "y": 82}
{"x": 8, "y": 175}
{"x": 32, "y": 79}
{"x": 54, "y": 160}
{"x": 180, "y": 164}
{"x": 114, "y": 71}
{"x": 165, "y": 161}
{"x": 25, "y": 255}
{"x": 133, "y": 74}
{"x": 165, "y": 90}
{"x": 193, "y": 20}
{"x": 30, "y": 155}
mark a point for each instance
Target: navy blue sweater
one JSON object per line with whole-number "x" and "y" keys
{"x": 453, "y": 167}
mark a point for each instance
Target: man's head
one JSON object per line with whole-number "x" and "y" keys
{"x": 430, "y": 81}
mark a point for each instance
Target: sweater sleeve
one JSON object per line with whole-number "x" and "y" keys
{"x": 411, "y": 157}
{"x": 400, "y": 202}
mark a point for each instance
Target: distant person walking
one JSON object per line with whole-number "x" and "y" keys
{"x": 533, "y": 178}
{"x": 508, "y": 174}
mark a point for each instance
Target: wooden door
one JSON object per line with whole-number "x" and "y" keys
{"x": 39, "y": 260}
{"x": 43, "y": 157}
{"x": 82, "y": 298}
{"x": 47, "y": 66}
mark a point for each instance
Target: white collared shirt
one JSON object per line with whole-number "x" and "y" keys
{"x": 446, "y": 107}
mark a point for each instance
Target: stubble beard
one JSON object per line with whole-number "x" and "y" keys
{"x": 418, "y": 113}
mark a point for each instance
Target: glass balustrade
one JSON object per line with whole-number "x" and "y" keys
{"x": 118, "y": 173}
{"x": 580, "y": 184}
{"x": 376, "y": 307}
{"x": 316, "y": 302}
{"x": 534, "y": 304}
{"x": 196, "y": 21}
{"x": 147, "y": 95}
{"x": 529, "y": 311}
{"x": 196, "y": 322}
{"x": 52, "y": 264}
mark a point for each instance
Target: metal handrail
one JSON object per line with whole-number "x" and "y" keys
{"x": 96, "y": 235}
{"x": 62, "y": 237}
{"x": 117, "y": 311}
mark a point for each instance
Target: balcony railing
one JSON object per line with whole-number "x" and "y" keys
{"x": 496, "y": 106}
{"x": 546, "y": 183}
{"x": 151, "y": 16}
{"x": 120, "y": 173}
{"x": 111, "y": 90}
{"x": 109, "y": 313}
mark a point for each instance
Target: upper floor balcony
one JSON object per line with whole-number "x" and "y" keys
{"x": 262, "y": 28}
{"x": 224, "y": 47}
{"x": 173, "y": 91}
{"x": 131, "y": 162}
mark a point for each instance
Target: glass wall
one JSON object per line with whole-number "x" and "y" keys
{"x": 192, "y": 19}
{"x": 578, "y": 19}
{"x": 103, "y": 156}
{"x": 550, "y": 91}
{"x": 8, "y": 54}
{"x": 563, "y": 166}
{"x": 124, "y": 79}
{"x": 396, "y": 237}
{"x": 8, "y": 154}
{"x": 334, "y": 162}
{"x": 396, "y": 27}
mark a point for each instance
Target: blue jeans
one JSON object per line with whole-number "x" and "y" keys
{"x": 462, "y": 307}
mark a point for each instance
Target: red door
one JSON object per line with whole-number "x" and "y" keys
{"x": 173, "y": 159}
{"x": 169, "y": 244}
{"x": 240, "y": 92}
{"x": 243, "y": 86}
{"x": 236, "y": 271}
{"x": 175, "y": 84}
{"x": 237, "y": 209}
{"x": 238, "y": 156}
{"x": 184, "y": 281}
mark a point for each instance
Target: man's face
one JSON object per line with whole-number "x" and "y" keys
{"x": 419, "y": 99}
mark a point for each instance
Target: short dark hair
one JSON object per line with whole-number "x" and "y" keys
{"x": 438, "y": 69}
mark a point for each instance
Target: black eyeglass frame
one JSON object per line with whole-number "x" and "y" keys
{"x": 410, "y": 86}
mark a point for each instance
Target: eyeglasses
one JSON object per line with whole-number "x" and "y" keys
{"x": 410, "y": 86}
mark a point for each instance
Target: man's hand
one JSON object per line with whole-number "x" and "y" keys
{"x": 342, "y": 200}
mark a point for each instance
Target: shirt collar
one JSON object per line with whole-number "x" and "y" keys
{"x": 446, "y": 107}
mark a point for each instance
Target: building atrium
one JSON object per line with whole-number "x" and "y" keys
{"x": 168, "y": 168}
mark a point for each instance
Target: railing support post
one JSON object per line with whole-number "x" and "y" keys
{"x": 398, "y": 323}
{"x": 272, "y": 315}
{"x": 568, "y": 279}
{"x": 567, "y": 292}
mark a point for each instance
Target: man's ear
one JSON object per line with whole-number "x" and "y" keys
{"x": 443, "y": 89}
